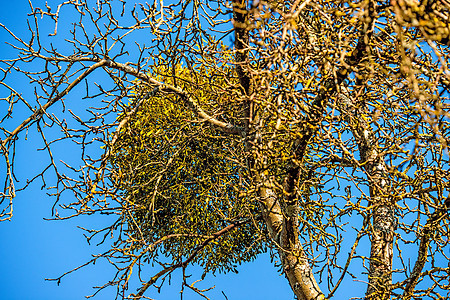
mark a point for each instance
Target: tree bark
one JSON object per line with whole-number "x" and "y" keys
{"x": 282, "y": 225}
{"x": 383, "y": 217}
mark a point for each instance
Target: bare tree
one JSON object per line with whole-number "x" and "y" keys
{"x": 310, "y": 128}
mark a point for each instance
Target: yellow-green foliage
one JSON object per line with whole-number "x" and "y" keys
{"x": 180, "y": 177}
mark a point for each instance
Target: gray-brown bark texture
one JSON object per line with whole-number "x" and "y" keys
{"x": 280, "y": 213}
{"x": 282, "y": 224}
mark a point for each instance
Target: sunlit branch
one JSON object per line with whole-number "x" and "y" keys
{"x": 226, "y": 127}
{"x": 426, "y": 238}
{"x": 40, "y": 111}
{"x": 191, "y": 257}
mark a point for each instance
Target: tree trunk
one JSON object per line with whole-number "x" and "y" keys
{"x": 283, "y": 230}
{"x": 381, "y": 203}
